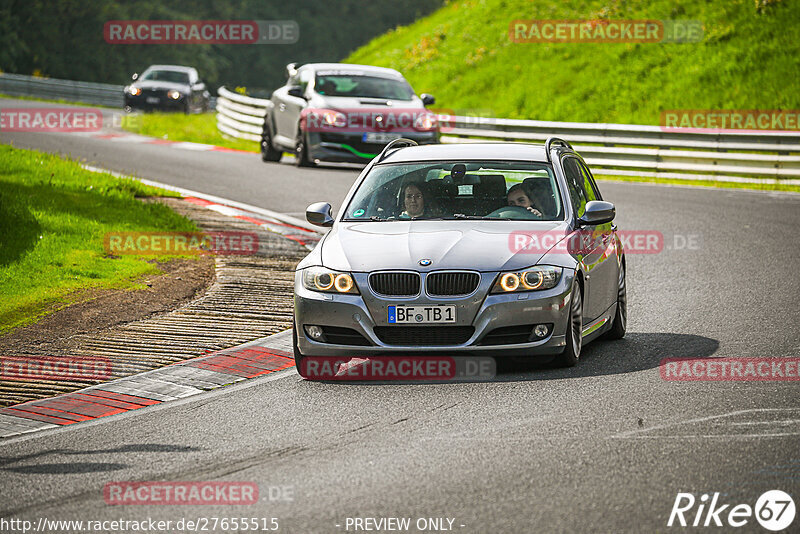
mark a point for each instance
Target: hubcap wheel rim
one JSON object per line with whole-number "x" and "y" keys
{"x": 577, "y": 323}
{"x": 622, "y": 299}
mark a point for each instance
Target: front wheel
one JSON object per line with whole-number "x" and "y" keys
{"x": 298, "y": 358}
{"x": 620, "y": 323}
{"x": 574, "y": 337}
{"x": 301, "y": 151}
{"x": 268, "y": 152}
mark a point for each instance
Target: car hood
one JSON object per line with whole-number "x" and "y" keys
{"x": 373, "y": 104}
{"x": 158, "y": 84}
{"x": 478, "y": 245}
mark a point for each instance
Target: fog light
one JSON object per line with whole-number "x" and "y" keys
{"x": 315, "y": 332}
{"x": 541, "y": 330}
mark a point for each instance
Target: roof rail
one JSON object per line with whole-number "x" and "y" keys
{"x": 395, "y": 144}
{"x": 554, "y": 141}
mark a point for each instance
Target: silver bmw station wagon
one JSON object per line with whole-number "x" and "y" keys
{"x": 492, "y": 249}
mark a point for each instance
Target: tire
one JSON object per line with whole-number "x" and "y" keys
{"x": 298, "y": 358}
{"x": 620, "y": 324}
{"x": 301, "y": 151}
{"x": 574, "y": 337}
{"x": 268, "y": 152}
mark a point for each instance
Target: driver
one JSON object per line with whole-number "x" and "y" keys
{"x": 519, "y": 196}
{"x": 414, "y": 201}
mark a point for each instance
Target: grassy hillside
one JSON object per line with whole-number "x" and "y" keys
{"x": 749, "y": 59}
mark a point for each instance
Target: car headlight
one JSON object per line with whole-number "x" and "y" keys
{"x": 134, "y": 91}
{"x": 425, "y": 122}
{"x": 173, "y": 94}
{"x": 327, "y": 281}
{"x": 534, "y": 279}
{"x": 333, "y": 118}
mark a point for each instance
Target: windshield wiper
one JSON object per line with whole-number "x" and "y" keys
{"x": 463, "y": 216}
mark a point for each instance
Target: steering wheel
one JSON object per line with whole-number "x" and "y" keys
{"x": 514, "y": 212}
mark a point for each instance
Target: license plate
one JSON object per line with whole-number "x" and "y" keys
{"x": 153, "y": 100}
{"x": 421, "y": 314}
{"x": 379, "y": 137}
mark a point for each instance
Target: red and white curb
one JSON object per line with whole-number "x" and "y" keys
{"x": 261, "y": 357}
{"x": 289, "y": 227}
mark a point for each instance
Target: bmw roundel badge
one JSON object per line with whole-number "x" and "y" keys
{"x": 425, "y": 262}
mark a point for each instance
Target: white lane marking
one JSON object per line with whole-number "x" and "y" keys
{"x": 187, "y": 145}
{"x": 225, "y": 210}
{"x": 640, "y": 432}
{"x": 212, "y": 198}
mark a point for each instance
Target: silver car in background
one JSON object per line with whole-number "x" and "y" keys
{"x": 427, "y": 257}
{"x": 343, "y": 113}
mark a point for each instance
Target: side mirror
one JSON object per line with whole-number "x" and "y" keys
{"x": 597, "y": 212}
{"x": 291, "y": 70}
{"x": 319, "y": 214}
{"x": 295, "y": 91}
{"x": 427, "y": 99}
{"x": 135, "y": 76}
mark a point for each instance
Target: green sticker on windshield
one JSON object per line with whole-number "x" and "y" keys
{"x": 358, "y": 213}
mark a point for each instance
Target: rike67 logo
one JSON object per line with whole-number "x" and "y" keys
{"x": 774, "y": 510}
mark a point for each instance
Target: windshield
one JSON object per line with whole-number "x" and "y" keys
{"x": 447, "y": 190}
{"x": 173, "y": 76}
{"x": 359, "y": 86}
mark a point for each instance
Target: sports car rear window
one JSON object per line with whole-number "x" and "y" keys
{"x": 458, "y": 191}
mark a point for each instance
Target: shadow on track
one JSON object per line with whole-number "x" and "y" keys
{"x": 84, "y": 467}
{"x": 635, "y": 352}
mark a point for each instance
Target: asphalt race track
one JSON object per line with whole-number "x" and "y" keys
{"x": 603, "y": 447}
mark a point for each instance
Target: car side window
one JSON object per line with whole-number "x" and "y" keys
{"x": 589, "y": 184}
{"x": 578, "y": 194}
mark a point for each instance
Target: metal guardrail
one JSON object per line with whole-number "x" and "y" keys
{"x": 610, "y": 149}
{"x": 99, "y": 94}
{"x": 241, "y": 116}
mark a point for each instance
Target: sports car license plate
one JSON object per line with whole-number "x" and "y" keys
{"x": 153, "y": 100}
{"x": 422, "y": 314}
{"x": 379, "y": 137}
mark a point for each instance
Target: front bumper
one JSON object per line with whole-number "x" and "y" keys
{"x": 350, "y": 147}
{"x": 164, "y": 103}
{"x": 363, "y": 313}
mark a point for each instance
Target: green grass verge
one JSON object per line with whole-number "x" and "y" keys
{"x": 198, "y": 128}
{"x": 462, "y": 54}
{"x": 53, "y": 217}
{"x": 702, "y": 183}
